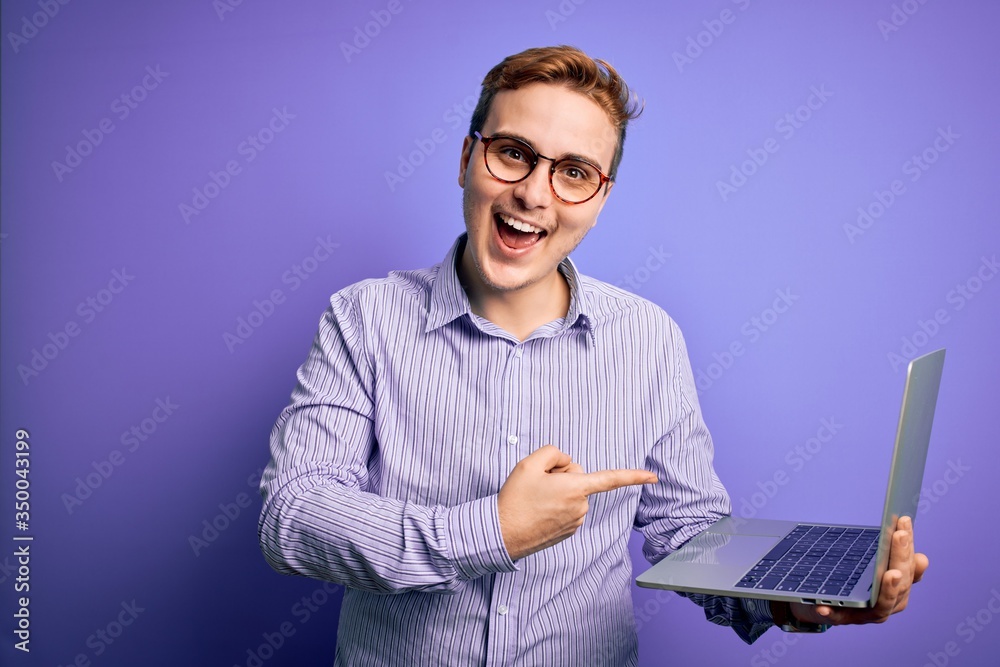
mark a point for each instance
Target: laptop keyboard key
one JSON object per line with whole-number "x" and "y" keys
{"x": 768, "y": 582}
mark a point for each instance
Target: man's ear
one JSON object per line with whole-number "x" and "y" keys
{"x": 467, "y": 148}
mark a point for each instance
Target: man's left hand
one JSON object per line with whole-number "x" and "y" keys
{"x": 906, "y": 567}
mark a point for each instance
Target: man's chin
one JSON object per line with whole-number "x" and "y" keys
{"x": 505, "y": 282}
{"x": 485, "y": 277}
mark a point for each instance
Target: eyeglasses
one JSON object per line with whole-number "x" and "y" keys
{"x": 573, "y": 180}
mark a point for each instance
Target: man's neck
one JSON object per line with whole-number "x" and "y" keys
{"x": 520, "y": 311}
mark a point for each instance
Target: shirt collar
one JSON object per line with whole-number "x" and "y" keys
{"x": 579, "y": 303}
{"x": 449, "y": 301}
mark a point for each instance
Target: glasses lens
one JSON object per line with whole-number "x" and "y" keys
{"x": 575, "y": 180}
{"x": 509, "y": 159}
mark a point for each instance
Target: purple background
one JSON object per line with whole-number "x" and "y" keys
{"x": 356, "y": 117}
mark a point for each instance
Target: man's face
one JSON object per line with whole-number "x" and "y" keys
{"x": 556, "y": 122}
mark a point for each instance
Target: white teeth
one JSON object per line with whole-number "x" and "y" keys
{"x": 520, "y": 226}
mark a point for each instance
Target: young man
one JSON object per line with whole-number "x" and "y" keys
{"x": 469, "y": 445}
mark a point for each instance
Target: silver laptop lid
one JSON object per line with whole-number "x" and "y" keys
{"x": 906, "y": 474}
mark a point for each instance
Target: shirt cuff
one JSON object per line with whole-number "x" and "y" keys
{"x": 475, "y": 538}
{"x": 758, "y": 611}
{"x": 758, "y": 619}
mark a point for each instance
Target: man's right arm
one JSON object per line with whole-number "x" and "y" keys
{"x": 323, "y": 515}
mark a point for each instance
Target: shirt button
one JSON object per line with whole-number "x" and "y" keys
{"x": 502, "y": 610}
{"x": 511, "y": 439}
{"x": 517, "y": 353}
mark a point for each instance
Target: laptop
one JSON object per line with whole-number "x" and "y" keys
{"x": 813, "y": 563}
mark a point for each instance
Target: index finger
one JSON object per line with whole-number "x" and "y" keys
{"x": 608, "y": 480}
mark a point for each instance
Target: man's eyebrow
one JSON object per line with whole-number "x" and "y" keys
{"x": 571, "y": 156}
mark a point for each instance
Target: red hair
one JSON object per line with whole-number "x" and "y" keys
{"x": 569, "y": 66}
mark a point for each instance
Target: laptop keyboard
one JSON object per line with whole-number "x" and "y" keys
{"x": 815, "y": 560}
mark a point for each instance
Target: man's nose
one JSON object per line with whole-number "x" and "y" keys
{"x": 535, "y": 191}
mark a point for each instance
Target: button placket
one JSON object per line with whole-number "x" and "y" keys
{"x": 510, "y": 420}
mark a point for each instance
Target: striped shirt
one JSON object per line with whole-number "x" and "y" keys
{"x": 408, "y": 415}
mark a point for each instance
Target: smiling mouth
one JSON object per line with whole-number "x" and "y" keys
{"x": 515, "y": 234}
